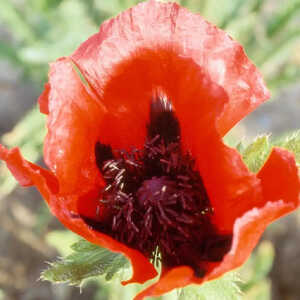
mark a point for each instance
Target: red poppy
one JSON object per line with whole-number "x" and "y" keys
{"x": 135, "y": 151}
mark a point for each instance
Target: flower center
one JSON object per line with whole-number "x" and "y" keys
{"x": 157, "y": 200}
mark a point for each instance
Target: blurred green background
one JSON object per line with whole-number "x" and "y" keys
{"x": 36, "y": 32}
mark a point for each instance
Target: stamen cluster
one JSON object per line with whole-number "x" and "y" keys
{"x": 156, "y": 198}
{"x": 159, "y": 205}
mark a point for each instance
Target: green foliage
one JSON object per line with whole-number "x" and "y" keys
{"x": 16, "y": 20}
{"x": 234, "y": 12}
{"x": 276, "y": 54}
{"x": 86, "y": 261}
{"x": 45, "y": 5}
{"x": 45, "y": 30}
{"x": 285, "y": 13}
{"x": 261, "y": 291}
{"x": 9, "y": 52}
{"x": 256, "y": 153}
{"x": 291, "y": 142}
{"x": 28, "y": 135}
{"x": 256, "y": 5}
{"x": 62, "y": 240}
{"x": 289, "y": 74}
{"x": 258, "y": 266}
{"x": 225, "y": 288}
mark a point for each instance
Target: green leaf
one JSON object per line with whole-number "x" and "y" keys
{"x": 225, "y": 288}
{"x": 256, "y": 153}
{"x": 87, "y": 260}
{"x": 291, "y": 143}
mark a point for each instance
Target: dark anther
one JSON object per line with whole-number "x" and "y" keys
{"x": 163, "y": 121}
{"x": 199, "y": 272}
{"x": 103, "y": 153}
{"x": 95, "y": 224}
{"x": 217, "y": 247}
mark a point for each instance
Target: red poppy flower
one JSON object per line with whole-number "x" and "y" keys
{"x": 135, "y": 151}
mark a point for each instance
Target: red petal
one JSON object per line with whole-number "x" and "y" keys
{"x": 44, "y": 99}
{"x": 279, "y": 177}
{"x": 171, "y": 28}
{"x": 176, "y": 278}
{"x": 73, "y": 129}
{"x": 242, "y": 82}
{"x": 64, "y": 208}
{"x": 27, "y": 173}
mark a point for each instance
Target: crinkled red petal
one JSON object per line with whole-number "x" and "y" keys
{"x": 176, "y": 278}
{"x": 64, "y": 209}
{"x": 73, "y": 121}
{"x": 27, "y": 173}
{"x": 280, "y": 184}
{"x": 155, "y": 25}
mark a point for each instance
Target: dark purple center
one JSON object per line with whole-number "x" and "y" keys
{"x": 157, "y": 199}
